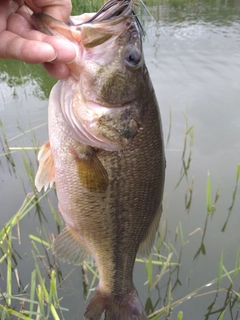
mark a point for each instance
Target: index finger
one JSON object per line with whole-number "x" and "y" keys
{"x": 59, "y": 9}
{"x": 19, "y": 48}
{"x": 34, "y": 46}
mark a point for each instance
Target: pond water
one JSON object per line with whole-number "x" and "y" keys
{"x": 192, "y": 50}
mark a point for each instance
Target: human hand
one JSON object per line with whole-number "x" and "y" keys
{"x": 20, "y": 41}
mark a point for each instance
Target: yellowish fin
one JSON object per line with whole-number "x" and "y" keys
{"x": 92, "y": 174}
{"x": 92, "y": 37}
{"x": 68, "y": 247}
{"x": 45, "y": 176}
{"x": 147, "y": 243}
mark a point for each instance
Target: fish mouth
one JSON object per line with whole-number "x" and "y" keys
{"x": 114, "y": 11}
{"x": 109, "y": 15}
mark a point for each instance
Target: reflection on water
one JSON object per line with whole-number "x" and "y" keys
{"x": 16, "y": 74}
{"x": 193, "y": 55}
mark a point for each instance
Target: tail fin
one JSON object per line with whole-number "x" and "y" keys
{"x": 127, "y": 307}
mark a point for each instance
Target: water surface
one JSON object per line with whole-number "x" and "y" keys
{"x": 192, "y": 50}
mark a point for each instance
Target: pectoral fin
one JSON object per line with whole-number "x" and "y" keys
{"x": 45, "y": 176}
{"x": 147, "y": 243}
{"x": 68, "y": 247}
{"x": 92, "y": 174}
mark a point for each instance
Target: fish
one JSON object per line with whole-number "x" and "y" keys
{"x": 105, "y": 154}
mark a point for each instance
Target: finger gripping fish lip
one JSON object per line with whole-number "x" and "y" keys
{"x": 115, "y": 9}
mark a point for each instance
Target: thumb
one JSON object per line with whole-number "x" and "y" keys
{"x": 59, "y": 9}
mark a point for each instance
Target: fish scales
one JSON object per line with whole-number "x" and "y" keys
{"x": 106, "y": 156}
{"x": 120, "y": 220}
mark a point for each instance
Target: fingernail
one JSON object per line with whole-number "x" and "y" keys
{"x": 54, "y": 57}
{"x": 75, "y": 50}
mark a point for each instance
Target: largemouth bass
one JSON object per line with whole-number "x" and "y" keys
{"x": 105, "y": 154}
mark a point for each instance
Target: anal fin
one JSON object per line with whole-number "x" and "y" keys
{"x": 69, "y": 248}
{"x": 147, "y": 243}
{"x": 45, "y": 176}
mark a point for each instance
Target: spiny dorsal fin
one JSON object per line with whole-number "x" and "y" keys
{"x": 147, "y": 243}
{"x": 68, "y": 247}
{"x": 45, "y": 176}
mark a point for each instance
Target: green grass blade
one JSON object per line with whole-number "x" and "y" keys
{"x": 53, "y": 287}
{"x": 9, "y": 267}
{"x": 12, "y": 312}
{"x": 181, "y": 233}
{"x": 227, "y": 274}
{"x": 220, "y": 268}
{"x": 4, "y": 315}
{"x": 164, "y": 267}
{"x": 23, "y": 148}
{"x": 37, "y": 239}
{"x": 156, "y": 262}
{"x": 43, "y": 290}
{"x": 238, "y": 173}
{"x": 237, "y": 265}
{"x": 56, "y": 216}
{"x": 27, "y": 131}
{"x": 149, "y": 271}
{"x": 208, "y": 194}
{"x": 91, "y": 269}
{"x": 32, "y": 290}
{"x": 4, "y": 255}
{"x": 222, "y": 315}
{"x": 54, "y": 313}
{"x": 26, "y": 207}
{"x": 40, "y": 300}
{"x": 19, "y": 297}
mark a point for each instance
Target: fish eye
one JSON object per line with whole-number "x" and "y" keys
{"x": 132, "y": 57}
